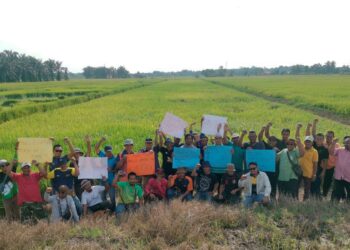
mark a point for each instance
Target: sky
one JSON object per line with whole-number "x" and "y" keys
{"x": 148, "y": 35}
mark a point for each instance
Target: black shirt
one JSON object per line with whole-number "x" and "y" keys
{"x": 167, "y": 166}
{"x": 323, "y": 154}
{"x": 205, "y": 183}
{"x": 230, "y": 182}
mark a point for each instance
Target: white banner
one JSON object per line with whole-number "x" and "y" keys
{"x": 93, "y": 167}
{"x": 173, "y": 125}
{"x": 210, "y": 124}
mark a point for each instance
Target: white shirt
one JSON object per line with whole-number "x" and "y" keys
{"x": 94, "y": 197}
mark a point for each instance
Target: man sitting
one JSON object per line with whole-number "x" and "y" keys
{"x": 229, "y": 190}
{"x": 130, "y": 193}
{"x": 91, "y": 199}
{"x": 180, "y": 186}
{"x": 206, "y": 182}
{"x": 256, "y": 186}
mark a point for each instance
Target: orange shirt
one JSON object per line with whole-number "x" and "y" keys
{"x": 332, "y": 158}
{"x": 172, "y": 179}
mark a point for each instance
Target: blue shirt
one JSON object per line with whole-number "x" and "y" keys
{"x": 112, "y": 164}
{"x": 56, "y": 161}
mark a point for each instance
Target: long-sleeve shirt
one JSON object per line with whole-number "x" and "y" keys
{"x": 263, "y": 185}
{"x": 59, "y": 207}
{"x": 342, "y": 165}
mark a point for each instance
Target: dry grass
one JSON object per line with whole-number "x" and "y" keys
{"x": 193, "y": 225}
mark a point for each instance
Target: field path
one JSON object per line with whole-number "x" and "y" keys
{"x": 317, "y": 111}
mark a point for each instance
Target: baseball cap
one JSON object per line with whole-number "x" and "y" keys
{"x": 235, "y": 135}
{"x": 202, "y": 136}
{"x": 206, "y": 164}
{"x": 3, "y": 163}
{"x": 25, "y": 164}
{"x": 62, "y": 162}
{"x": 78, "y": 150}
{"x": 108, "y": 148}
{"x": 309, "y": 138}
{"x": 128, "y": 142}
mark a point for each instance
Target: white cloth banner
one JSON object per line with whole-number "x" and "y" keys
{"x": 173, "y": 125}
{"x": 210, "y": 124}
{"x": 93, "y": 167}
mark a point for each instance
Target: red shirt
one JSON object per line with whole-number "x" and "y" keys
{"x": 28, "y": 188}
{"x": 155, "y": 187}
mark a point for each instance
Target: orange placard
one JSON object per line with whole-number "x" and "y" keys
{"x": 142, "y": 163}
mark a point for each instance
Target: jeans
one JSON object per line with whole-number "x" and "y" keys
{"x": 173, "y": 193}
{"x": 111, "y": 194}
{"x": 290, "y": 188}
{"x": 249, "y": 200}
{"x": 122, "y": 208}
{"x": 203, "y": 196}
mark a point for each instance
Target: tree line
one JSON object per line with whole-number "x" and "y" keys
{"x": 16, "y": 67}
{"x": 327, "y": 68}
{"x": 105, "y": 73}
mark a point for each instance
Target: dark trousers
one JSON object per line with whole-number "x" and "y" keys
{"x": 289, "y": 188}
{"x": 316, "y": 184}
{"x": 273, "y": 182}
{"x": 307, "y": 187}
{"x": 338, "y": 190}
{"x": 327, "y": 182}
{"x": 100, "y": 206}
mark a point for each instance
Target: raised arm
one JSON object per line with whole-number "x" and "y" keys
{"x": 156, "y": 141}
{"x": 301, "y": 147}
{"x": 194, "y": 171}
{"x": 267, "y": 130}
{"x": 70, "y": 146}
{"x": 314, "y": 128}
{"x": 297, "y": 131}
{"x": 76, "y": 167}
{"x": 42, "y": 170}
{"x": 331, "y": 149}
{"x": 226, "y": 129}
{"x": 88, "y": 145}
{"x": 308, "y": 129}
{"x": 241, "y": 138}
{"x": 261, "y": 134}
{"x": 98, "y": 144}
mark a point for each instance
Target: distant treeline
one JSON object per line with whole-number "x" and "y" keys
{"x": 327, "y": 68}
{"x": 105, "y": 73}
{"x": 15, "y": 67}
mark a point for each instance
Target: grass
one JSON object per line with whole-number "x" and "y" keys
{"x": 290, "y": 225}
{"x": 137, "y": 113}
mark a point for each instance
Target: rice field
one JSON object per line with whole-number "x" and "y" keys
{"x": 328, "y": 92}
{"x": 136, "y": 112}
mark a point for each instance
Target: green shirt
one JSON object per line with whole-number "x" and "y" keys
{"x": 237, "y": 157}
{"x": 129, "y": 193}
{"x": 286, "y": 172}
{"x": 10, "y": 190}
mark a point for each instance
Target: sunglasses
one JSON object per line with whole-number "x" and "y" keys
{"x": 58, "y": 150}
{"x": 252, "y": 169}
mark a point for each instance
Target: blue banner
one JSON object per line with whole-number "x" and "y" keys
{"x": 266, "y": 159}
{"x": 218, "y": 157}
{"x": 186, "y": 157}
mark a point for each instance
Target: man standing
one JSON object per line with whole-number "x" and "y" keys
{"x": 285, "y": 133}
{"x": 8, "y": 191}
{"x": 167, "y": 156}
{"x": 308, "y": 162}
{"x": 288, "y": 159}
{"x": 253, "y": 143}
{"x": 342, "y": 169}
{"x": 29, "y": 197}
{"x": 57, "y": 154}
{"x": 112, "y": 165}
{"x": 238, "y": 151}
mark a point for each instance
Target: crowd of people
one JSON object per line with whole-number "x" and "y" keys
{"x": 318, "y": 163}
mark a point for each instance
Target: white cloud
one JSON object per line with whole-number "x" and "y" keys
{"x": 174, "y": 35}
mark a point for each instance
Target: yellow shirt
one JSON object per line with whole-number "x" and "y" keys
{"x": 253, "y": 180}
{"x": 51, "y": 174}
{"x": 307, "y": 162}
